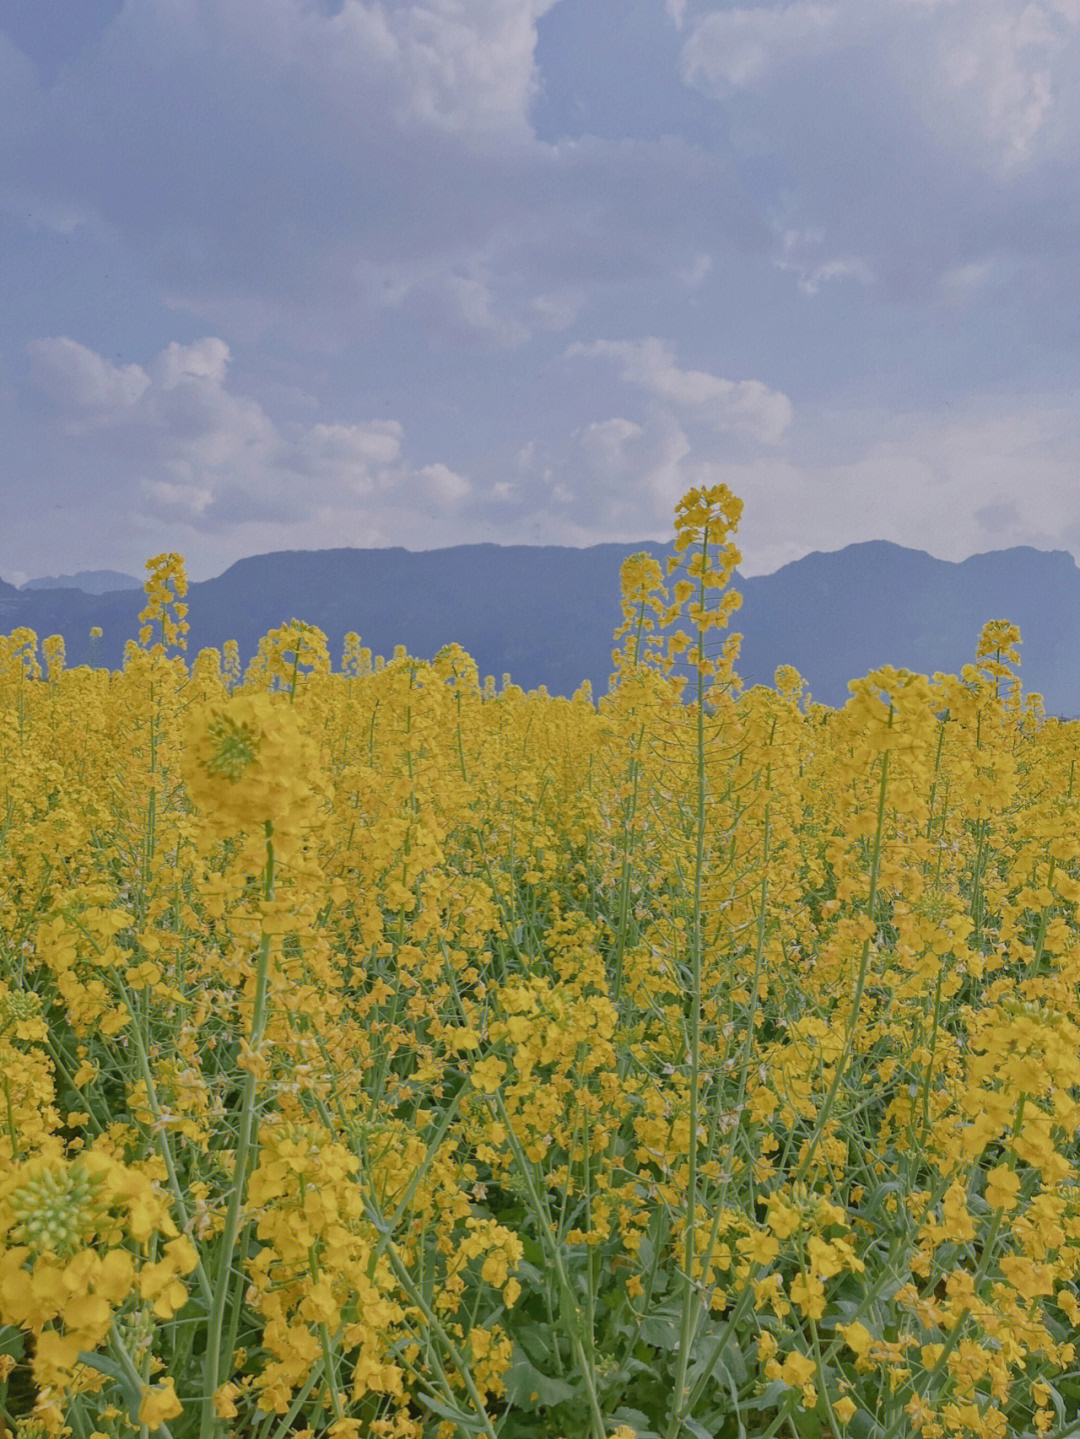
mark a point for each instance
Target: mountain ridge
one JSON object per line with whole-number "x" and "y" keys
{"x": 545, "y": 614}
{"x": 91, "y": 582}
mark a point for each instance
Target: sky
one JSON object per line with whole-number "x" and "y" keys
{"x": 303, "y": 274}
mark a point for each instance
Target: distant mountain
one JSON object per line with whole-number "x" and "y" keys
{"x": 545, "y": 615}
{"x": 91, "y": 582}
{"x": 837, "y": 615}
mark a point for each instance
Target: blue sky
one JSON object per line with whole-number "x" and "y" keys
{"x": 309, "y": 273}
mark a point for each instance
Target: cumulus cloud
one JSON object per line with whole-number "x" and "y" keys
{"x": 445, "y": 66}
{"x": 804, "y": 252}
{"x": 345, "y": 455}
{"x": 205, "y": 360}
{"x": 211, "y": 456}
{"x": 605, "y": 443}
{"x": 944, "y": 480}
{"x": 745, "y": 405}
{"x": 404, "y": 178}
{"x": 866, "y": 206}
{"x": 89, "y": 390}
{"x": 948, "y": 481}
{"x": 744, "y": 47}
{"x": 442, "y": 484}
{"x": 912, "y": 137}
{"x": 980, "y": 73}
{"x": 179, "y": 501}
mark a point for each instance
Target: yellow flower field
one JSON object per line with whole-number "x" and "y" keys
{"x": 388, "y": 1052}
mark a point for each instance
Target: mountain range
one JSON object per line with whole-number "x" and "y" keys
{"x": 545, "y": 614}
{"x": 94, "y": 582}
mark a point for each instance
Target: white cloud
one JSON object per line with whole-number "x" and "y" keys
{"x": 215, "y": 458}
{"x": 632, "y": 475}
{"x": 676, "y": 10}
{"x": 605, "y": 441}
{"x": 988, "y": 472}
{"x": 747, "y": 406}
{"x": 665, "y": 479}
{"x": 442, "y": 484}
{"x": 185, "y": 501}
{"x": 205, "y": 360}
{"x": 997, "y": 67}
{"x": 693, "y": 276}
{"x": 799, "y": 248}
{"x": 92, "y": 391}
{"x": 406, "y": 223}
{"x": 558, "y": 310}
{"x": 961, "y": 281}
{"x": 336, "y": 447}
{"x": 404, "y": 179}
{"x": 441, "y": 64}
{"x": 745, "y": 47}
{"x": 454, "y": 292}
{"x": 981, "y": 75}
{"x": 470, "y": 66}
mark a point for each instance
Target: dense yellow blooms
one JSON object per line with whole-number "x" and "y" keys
{"x": 247, "y": 761}
{"x": 385, "y": 1053}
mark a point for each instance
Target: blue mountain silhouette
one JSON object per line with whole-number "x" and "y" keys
{"x": 545, "y": 614}
{"x": 93, "y": 582}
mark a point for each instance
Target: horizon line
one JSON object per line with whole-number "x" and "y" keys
{"x": 494, "y": 544}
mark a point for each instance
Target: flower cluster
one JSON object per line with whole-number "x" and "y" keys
{"x": 74, "y": 1235}
{"x": 165, "y": 588}
{"x": 388, "y": 1053}
{"x": 248, "y": 762}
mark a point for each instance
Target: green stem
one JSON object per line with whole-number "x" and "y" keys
{"x": 980, "y": 1274}
{"x": 159, "y": 1127}
{"x": 296, "y": 666}
{"x": 860, "y": 984}
{"x": 436, "y": 1328}
{"x": 692, "y": 1308}
{"x": 218, "y": 1365}
{"x": 569, "y": 1304}
{"x": 933, "y": 1047}
{"x": 127, "y": 1364}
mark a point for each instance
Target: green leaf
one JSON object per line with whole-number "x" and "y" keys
{"x": 114, "y": 1371}
{"x": 862, "y": 1425}
{"x": 638, "y": 1366}
{"x": 528, "y": 1275}
{"x": 729, "y": 1366}
{"x": 770, "y": 1398}
{"x": 697, "y": 1430}
{"x": 104, "y": 1365}
{"x": 1059, "y": 1407}
{"x": 534, "y": 1254}
{"x": 662, "y": 1328}
{"x": 12, "y": 1341}
{"x": 447, "y": 1411}
{"x": 523, "y": 1380}
{"x": 637, "y": 1421}
{"x": 660, "y": 1333}
{"x": 539, "y": 1345}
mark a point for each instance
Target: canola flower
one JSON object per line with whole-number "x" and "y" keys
{"x": 391, "y": 1053}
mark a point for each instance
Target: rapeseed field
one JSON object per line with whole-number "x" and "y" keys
{"x": 384, "y": 1052}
